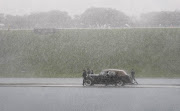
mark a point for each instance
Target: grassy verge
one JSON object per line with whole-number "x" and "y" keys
{"x": 151, "y": 52}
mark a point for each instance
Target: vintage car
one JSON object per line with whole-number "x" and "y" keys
{"x": 109, "y": 77}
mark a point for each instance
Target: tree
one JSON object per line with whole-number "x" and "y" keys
{"x": 103, "y": 17}
{"x": 52, "y": 19}
{"x": 1, "y": 17}
{"x": 161, "y": 19}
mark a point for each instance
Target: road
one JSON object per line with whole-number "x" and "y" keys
{"x": 61, "y": 95}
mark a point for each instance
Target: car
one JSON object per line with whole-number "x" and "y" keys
{"x": 115, "y": 77}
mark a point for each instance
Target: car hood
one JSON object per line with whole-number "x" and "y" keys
{"x": 93, "y": 74}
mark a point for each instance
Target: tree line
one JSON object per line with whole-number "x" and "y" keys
{"x": 92, "y": 18}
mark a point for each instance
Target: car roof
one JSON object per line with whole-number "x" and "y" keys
{"x": 120, "y": 72}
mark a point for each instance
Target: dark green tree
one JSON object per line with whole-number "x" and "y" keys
{"x": 103, "y": 17}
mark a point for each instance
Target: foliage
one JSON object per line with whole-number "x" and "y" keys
{"x": 104, "y": 18}
{"x": 92, "y": 18}
{"x": 51, "y": 19}
{"x": 151, "y": 52}
{"x": 161, "y": 19}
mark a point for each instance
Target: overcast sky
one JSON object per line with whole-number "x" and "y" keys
{"x": 130, "y": 7}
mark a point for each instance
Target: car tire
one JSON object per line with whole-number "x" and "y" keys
{"x": 119, "y": 83}
{"x": 88, "y": 82}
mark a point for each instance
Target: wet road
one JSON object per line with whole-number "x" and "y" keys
{"x": 98, "y": 98}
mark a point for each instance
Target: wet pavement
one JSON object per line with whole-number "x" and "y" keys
{"x": 88, "y": 98}
{"x": 78, "y": 81}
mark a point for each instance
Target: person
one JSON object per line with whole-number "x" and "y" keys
{"x": 84, "y": 76}
{"x": 133, "y": 76}
{"x": 88, "y": 71}
{"x": 92, "y": 72}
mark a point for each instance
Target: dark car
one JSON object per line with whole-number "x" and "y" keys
{"x": 109, "y": 77}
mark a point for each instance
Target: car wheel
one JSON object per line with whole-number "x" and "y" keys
{"x": 119, "y": 83}
{"x": 88, "y": 82}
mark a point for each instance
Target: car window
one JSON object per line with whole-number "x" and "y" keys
{"x": 111, "y": 73}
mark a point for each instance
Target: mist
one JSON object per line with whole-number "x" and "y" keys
{"x": 56, "y": 38}
{"x": 130, "y": 7}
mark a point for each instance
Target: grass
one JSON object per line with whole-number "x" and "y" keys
{"x": 150, "y": 52}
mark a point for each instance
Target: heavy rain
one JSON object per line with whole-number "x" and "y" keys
{"x": 83, "y": 55}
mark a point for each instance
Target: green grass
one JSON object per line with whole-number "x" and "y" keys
{"x": 150, "y": 52}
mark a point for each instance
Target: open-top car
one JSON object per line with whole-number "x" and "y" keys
{"x": 109, "y": 77}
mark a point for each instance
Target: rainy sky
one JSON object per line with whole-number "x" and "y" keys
{"x": 130, "y": 7}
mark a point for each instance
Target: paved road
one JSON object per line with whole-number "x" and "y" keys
{"x": 78, "y": 81}
{"x": 98, "y": 98}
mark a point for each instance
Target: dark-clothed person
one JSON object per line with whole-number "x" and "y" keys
{"x": 92, "y": 72}
{"x": 133, "y": 75}
{"x": 84, "y": 76}
{"x": 88, "y": 71}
